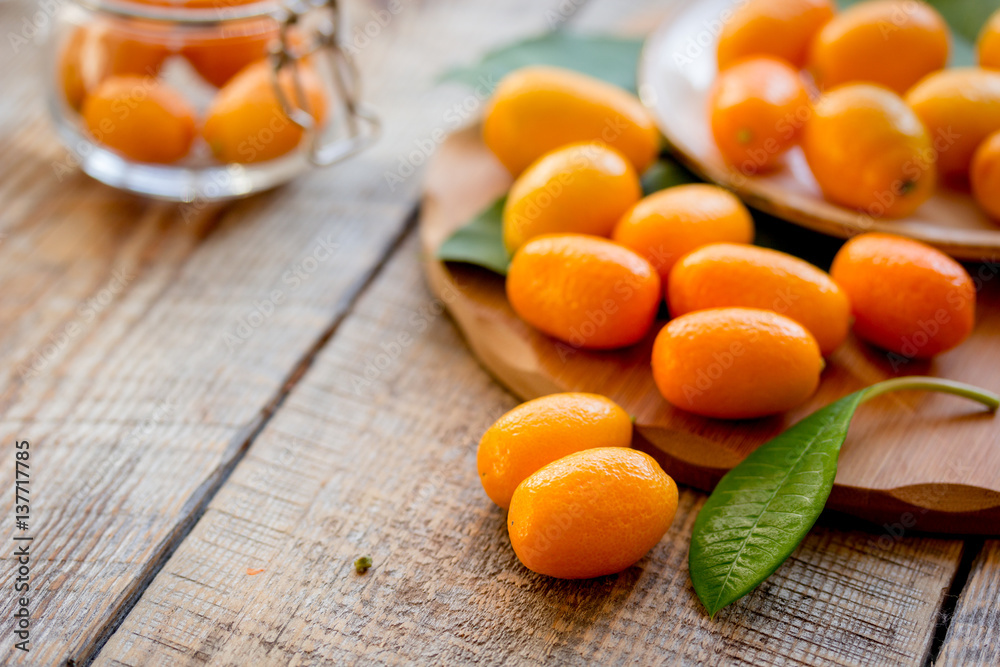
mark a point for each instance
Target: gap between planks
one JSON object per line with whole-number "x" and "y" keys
{"x": 971, "y": 549}
{"x": 244, "y": 440}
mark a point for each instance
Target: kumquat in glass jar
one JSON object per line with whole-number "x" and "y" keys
{"x": 204, "y": 99}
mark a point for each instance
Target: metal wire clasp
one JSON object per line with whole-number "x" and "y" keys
{"x": 355, "y": 127}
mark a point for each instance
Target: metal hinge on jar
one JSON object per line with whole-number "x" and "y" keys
{"x": 361, "y": 126}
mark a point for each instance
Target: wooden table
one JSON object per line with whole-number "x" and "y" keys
{"x": 268, "y": 385}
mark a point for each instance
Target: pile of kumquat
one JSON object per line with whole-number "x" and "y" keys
{"x": 867, "y": 96}
{"x": 113, "y": 72}
{"x": 593, "y": 260}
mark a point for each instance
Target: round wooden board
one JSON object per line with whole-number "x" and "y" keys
{"x": 675, "y": 73}
{"x": 924, "y": 461}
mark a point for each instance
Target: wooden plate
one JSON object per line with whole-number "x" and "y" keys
{"x": 676, "y": 70}
{"x": 915, "y": 461}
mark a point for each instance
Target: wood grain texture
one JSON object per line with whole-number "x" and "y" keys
{"x": 975, "y": 626}
{"x": 374, "y": 453}
{"x": 900, "y": 458}
{"x": 144, "y": 343}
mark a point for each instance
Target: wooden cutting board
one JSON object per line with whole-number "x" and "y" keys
{"x": 912, "y": 461}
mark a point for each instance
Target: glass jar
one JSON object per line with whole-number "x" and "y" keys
{"x": 190, "y": 100}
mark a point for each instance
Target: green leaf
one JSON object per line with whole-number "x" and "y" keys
{"x": 479, "y": 242}
{"x": 966, "y": 17}
{"x": 765, "y": 506}
{"x": 613, "y": 59}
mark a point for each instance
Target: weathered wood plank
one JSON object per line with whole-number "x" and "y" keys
{"x": 975, "y": 626}
{"x": 144, "y": 343}
{"x": 374, "y": 453}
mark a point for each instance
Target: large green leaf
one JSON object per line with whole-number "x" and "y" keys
{"x": 480, "y": 241}
{"x": 765, "y": 506}
{"x": 613, "y": 59}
